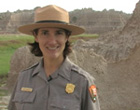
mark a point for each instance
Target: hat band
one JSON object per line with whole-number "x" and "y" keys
{"x": 51, "y": 21}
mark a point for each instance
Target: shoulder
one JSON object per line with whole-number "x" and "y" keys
{"x": 28, "y": 71}
{"x": 83, "y": 73}
{"x": 31, "y": 67}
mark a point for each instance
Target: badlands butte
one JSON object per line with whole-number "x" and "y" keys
{"x": 113, "y": 59}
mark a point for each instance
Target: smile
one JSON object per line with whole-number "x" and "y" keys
{"x": 53, "y": 48}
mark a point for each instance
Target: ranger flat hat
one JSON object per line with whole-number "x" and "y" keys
{"x": 51, "y": 16}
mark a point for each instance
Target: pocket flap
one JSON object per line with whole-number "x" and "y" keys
{"x": 24, "y": 97}
{"x": 65, "y": 103}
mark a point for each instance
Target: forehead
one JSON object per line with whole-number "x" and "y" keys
{"x": 51, "y": 29}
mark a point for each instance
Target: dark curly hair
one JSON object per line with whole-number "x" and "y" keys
{"x": 37, "y": 52}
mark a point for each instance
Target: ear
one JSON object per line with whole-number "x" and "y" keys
{"x": 35, "y": 37}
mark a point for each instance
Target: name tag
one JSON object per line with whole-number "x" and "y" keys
{"x": 26, "y": 89}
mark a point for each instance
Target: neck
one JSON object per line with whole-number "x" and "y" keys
{"x": 51, "y": 65}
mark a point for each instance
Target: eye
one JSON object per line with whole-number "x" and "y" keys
{"x": 44, "y": 32}
{"x": 60, "y": 32}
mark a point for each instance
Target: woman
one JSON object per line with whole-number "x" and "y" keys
{"x": 54, "y": 83}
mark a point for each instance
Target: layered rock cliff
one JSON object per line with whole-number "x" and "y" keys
{"x": 93, "y": 21}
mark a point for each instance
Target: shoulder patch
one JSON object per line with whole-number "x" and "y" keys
{"x": 91, "y": 84}
{"x": 93, "y": 92}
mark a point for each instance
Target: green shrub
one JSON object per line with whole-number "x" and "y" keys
{"x": 8, "y": 45}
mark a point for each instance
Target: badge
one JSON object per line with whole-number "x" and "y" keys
{"x": 70, "y": 88}
{"x": 26, "y": 89}
{"x": 93, "y": 92}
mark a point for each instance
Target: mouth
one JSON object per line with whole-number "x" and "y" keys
{"x": 52, "y": 48}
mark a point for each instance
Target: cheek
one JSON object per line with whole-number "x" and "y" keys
{"x": 40, "y": 40}
{"x": 41, "y": 43}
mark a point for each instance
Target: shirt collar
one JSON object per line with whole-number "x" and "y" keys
{"x": 64, "y": 70}
{"x": 38, "y": 68}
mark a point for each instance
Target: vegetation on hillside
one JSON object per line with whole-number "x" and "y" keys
{"x": 8, "y": 44}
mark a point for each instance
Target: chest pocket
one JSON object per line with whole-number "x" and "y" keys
{"x": 24, "y": 100}
{"x": 64, "y": 103}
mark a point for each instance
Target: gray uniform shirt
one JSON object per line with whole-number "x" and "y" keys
{"x": 66, "y": 89}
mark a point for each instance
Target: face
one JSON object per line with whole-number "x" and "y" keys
{"x": 51, "y": 42}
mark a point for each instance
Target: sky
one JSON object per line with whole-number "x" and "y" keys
{"x": 126, "y": 6}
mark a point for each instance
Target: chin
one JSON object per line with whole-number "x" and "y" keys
{"x": 53, "y": 56}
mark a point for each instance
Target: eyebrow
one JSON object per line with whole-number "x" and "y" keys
{"x": 44, "y": 30}
{"x": 60, "y": 30}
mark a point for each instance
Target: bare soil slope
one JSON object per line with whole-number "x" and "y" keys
{"x": 119, "y": 83}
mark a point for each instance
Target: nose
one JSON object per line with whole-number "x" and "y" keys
{"x": 52, "y": 39}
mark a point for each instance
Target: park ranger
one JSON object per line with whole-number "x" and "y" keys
{"x": 54, "y": 83}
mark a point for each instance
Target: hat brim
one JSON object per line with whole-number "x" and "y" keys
{"x": 28, "y": 29}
